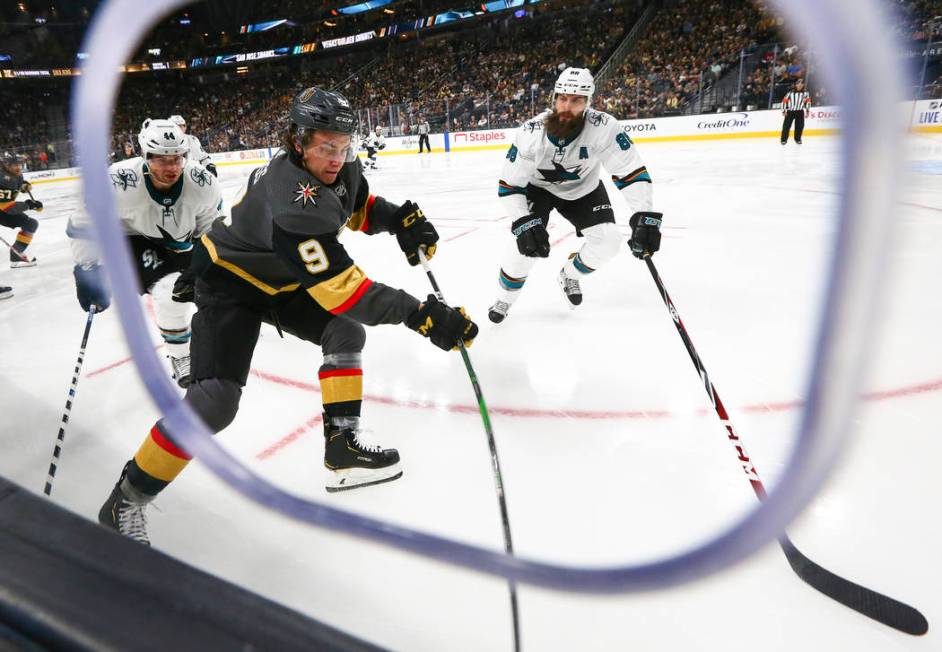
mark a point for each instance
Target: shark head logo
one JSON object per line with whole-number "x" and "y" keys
{"x": 560, "y": 174}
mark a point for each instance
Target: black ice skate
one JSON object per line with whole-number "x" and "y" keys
{"x": 5, "y": 292}
{"x": 21, "y": 260}
{"x": 498, "y": 311}
{"x": 570, "y": 288}
{"x": 125, "y": 515}
{"x": 355, "y": 464}
{"x": 181, "y": 370}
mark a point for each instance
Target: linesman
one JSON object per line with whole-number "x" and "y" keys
{"x": 795, "y": 107}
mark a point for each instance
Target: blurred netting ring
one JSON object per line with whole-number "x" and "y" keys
{"x": 862, "y": 70}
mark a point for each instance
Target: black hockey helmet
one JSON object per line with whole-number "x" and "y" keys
{"x": 315, "y": 108}
{"x": 10, "y": 158}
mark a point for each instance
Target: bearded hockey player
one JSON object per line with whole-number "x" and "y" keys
{"x": 278, "y": 259}
{"x": 554, "y": 163}
{"x": 165, "y": 203}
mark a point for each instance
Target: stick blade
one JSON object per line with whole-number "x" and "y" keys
{"x": 877, "y": 606}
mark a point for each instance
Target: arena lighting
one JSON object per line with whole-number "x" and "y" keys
{"x": 858, "y": 60}
{"x": 381, "y": 32}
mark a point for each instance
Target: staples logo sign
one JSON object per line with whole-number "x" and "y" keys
{"x": 478, "y": 137}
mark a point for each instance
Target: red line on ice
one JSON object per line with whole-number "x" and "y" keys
{"x": 289, "y": 439}
{"x": 107, "y": 367}
{"x": 534, "y": 413}
{"x": 461, "y": 235}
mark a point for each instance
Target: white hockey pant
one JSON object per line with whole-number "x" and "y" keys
{"x": 173, "y": 317}
{"x": 602, "y": 243}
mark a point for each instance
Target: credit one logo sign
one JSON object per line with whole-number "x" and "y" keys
{"x": 728, "y": 121}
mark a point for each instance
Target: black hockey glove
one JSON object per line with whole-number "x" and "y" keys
{"x": 91, "y": 287}
{"x": 184, "y": 289}
{"x": 645, "y": 233}
{"x": 532, "y": 236}
{"x": 443, "y": 324}
{"x": 211, "y": 168}
{"x": 33, "y": 205}
{"x": 413, "y": 231}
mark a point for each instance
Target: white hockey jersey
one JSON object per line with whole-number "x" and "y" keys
{"x": 374, "y": 141}
{"x": 196, "y": 152}
{"x": 174, "y": 218}
{"x": 570, "y": 169}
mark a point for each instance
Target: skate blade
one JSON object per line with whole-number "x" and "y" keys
{"x": 21, "y": 263}
{"x": 8, "y": 295}
{"x": 357, "y": 478}
{"x": 572, "y": 306}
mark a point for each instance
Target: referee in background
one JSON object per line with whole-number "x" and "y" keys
{"x": 795, "y": 107}
{"x": 423, "y": 129}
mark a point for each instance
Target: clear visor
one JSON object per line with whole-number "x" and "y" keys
{"x": 588, "y": 99}
{"x": 333, "y": 152}
{"x": 165, "y": 160}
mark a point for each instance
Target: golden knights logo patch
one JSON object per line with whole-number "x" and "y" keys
{"x": 305, "y": 193}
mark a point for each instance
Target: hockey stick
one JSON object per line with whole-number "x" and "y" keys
{"x": 60, "y": 439}
{"x": 874, "y": 605}
{"x": 495, "y": 462}
{"x": 22, "y": 256}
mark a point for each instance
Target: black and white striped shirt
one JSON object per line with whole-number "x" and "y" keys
{"x": 796, "y": 101}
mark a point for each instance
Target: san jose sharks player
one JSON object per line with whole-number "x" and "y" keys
{"x": 165, "y": 203}
{"x": 373, "y": 143}
{"x": 196, "y": 152}
{"x": 554, "y": 164}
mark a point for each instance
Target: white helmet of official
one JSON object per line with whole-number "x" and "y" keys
{"x": 575, "y": 81}
{"x": 163, "y": 138}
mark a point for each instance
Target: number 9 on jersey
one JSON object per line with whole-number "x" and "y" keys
{"x": 314, "y": 256}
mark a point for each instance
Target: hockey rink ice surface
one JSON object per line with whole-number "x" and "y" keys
{"x": 611, "y": 452}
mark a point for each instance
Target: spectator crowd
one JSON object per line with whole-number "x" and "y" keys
{"x": 492, "y": 71}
